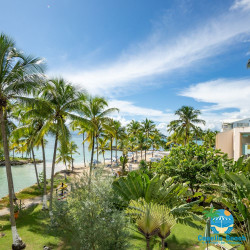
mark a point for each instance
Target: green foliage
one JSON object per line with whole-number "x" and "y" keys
{"x": 89, "y": 220}
{"x": 234, "y": 193}
{"x": 192, "y": 163}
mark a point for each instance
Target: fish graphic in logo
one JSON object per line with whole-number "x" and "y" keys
{"x": 223, "y": 222}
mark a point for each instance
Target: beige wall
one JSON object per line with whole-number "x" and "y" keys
{"x": 224, "y": 142}
{"x": 238, "y": 141}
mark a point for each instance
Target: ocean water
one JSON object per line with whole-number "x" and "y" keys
{"x": 24, "y": 175}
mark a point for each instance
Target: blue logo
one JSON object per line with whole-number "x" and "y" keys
{"x": 223, "y": 222}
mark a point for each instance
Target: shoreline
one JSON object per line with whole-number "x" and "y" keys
{"x": 20, "y": 162}
{"x": 79, "y": 168}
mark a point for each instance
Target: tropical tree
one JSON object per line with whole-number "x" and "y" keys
{"x": 209, "y": 138}
{"x": 133, "y": 128}
{"x": 118, "y": 133}
{"x": 188, "y": 119}
{"x": 248, "y": 64}
{"x": 96, "y": 113}
{"x": 148, "y": 127}
{"x": 141, "y": 140}
{"x": 79, "y": 126}
{"x": 151, "y": 219}
{"x": 72, "y": 148}
{"x": 35, "y": 117}
{"x": 17, "y": 77}
{"x": 59, "y": 100}
{"x": 103, "y": 146}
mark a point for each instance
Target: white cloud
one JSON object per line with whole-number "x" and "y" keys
{"x": 222, "y": 94}
{"x": 241, "y": 4}
{"x": 162, "y": 55}
{"x": 129, "y": 109}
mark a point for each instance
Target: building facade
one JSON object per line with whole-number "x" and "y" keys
{"x": 235, "y": 138}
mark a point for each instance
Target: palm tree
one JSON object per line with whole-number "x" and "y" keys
{"x": 134, "y": 127}
{"x": 36, "y": 117}
{"x": 77, "y": 125}
{"x": 63, "y": 156}
{"x": 59, "y": 100}
{"x": 155, "y": 140}
{"x": 103, "y": 146}
{"x": 95, "y": 111}
{"x": 141, "y": 140}
{"x": 110, "y": 133}
{"x": 117, "y": 132}
{"x": 17, "y": 76}
{"x": 248, "y": 64}
{"x": 188, "y": 118}
{"x": 26, "y": 134}
{"x": 72, "y": 150}
{"x": 148, "y": 127}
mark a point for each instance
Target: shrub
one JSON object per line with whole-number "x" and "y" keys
{"x": 89, "y": 219}
{"x": 192, "y": 163}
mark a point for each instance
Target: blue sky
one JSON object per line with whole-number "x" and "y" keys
{"x": 147, "y": 57}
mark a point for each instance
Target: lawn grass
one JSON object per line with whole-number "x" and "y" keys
{"x": 182, "y": 237}
{"x": 33, "y": 191}
{"x": 32, "y": 226}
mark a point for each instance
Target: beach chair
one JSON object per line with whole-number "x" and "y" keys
{"x": 225, "y": 246}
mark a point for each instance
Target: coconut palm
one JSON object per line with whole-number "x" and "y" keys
{"x": 26, "y": 135}
{"x": 79, "y": 126}
{"x": 110, "y": 133}
{"x": 103, "y": 146}
{"x": 148, "y": 128}
{"x": 72, "y": 148}
{"x": 96, "y": 113}
{"x": 17, "y": 76}
{"x": 63, "y": 156}
{"x": 134, "y": 127}
{"x": 188, "y": 119}
{"x": 141, "y": 140}
{"x": 36, "y": 117}
{"x": 59, "y": 100}
{"x": 117, "y": 134}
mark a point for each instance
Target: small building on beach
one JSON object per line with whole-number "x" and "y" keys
{"x": 235, "y": 138}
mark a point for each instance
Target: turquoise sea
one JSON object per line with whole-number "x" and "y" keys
{"x": 24, "y": 175}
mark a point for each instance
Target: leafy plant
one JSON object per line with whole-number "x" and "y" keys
{"x": 192, "y": 164}
{"x": 89, "y": 219}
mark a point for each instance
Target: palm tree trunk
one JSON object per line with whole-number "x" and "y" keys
{"x": 83, "y": 147}
{"x": 111, "y": 147}
{"x": 17, "y": 242}
{"x": 92, "y": 157}
{"x": 34, "y": 161}
{"x": 72, "y": 162}
{"x": 103, "y": 157}
{"x": 13, "y": 153}
{"x": 136, "y": 155}
{"x": 44, "y": 179}
{"x": 97, "y": 150}
{"x": 162, "y": 243}
{"x": 116, "y": 151}
{"x": 52, "y": 174}
{"x": 141, "y": 154}
{"x": 145, "y": 154}
{"x": 148, "y": 243}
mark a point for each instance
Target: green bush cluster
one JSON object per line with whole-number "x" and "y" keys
{"x": 89, "y": 219}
